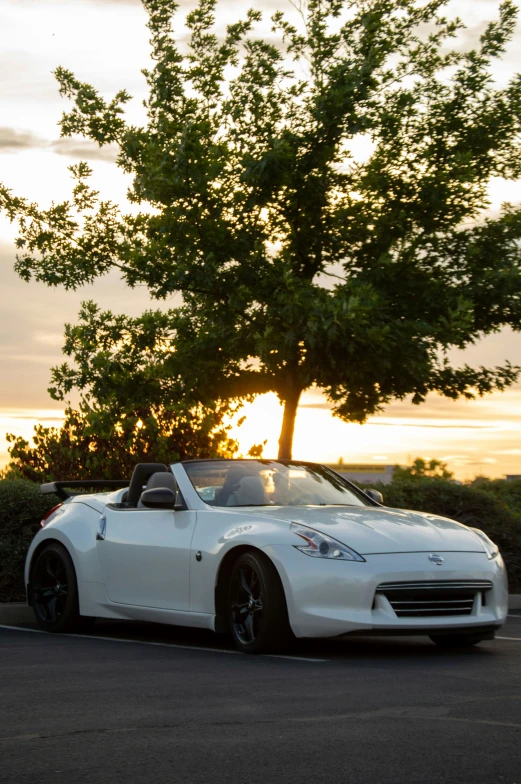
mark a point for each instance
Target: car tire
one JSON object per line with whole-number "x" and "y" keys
{"x": 55, "y": 591}
{"x": 457, "y": 640}
{"x": 258, "y": 614}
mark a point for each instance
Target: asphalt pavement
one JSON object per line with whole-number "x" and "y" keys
{"x": 143, "y": 703}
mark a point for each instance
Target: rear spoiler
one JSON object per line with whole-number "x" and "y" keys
{"x": 59, "y": 488}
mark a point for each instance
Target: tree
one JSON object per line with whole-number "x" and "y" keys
{"x": 507, "y": 491}
{"x": 104, "y": 444}
{"x": 299, "y": 263}
{"x": 421, "y": 469}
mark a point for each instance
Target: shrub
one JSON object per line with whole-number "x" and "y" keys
{"x": 508, "y": 492}
{"x": 468, "y": 505}
{"x": 103, "y": 443}
{"x": 21, "y": 508}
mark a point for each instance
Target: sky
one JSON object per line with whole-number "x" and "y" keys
{"x": 105, "y": 43}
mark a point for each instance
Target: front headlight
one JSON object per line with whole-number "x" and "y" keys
{"x": 321, "y": 546}
{"x": 491, "y": 548}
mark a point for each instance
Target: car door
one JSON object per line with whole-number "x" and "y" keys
{"x": 144, "y": 556}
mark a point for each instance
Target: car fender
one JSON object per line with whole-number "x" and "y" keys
{"x": 217, "y": 533}
{"x": 75, "y": 528}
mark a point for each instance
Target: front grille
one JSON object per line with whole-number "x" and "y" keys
{"x": 433, "y": 598}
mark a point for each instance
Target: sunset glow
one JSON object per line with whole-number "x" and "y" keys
{"x": 480, "y": 437}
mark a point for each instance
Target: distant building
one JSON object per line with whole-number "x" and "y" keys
{"x": 512, "y": 477}
{"x": 365, "y": 474}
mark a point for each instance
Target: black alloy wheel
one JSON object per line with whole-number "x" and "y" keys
{"x": 54, "y": 590}
{"x": 257, "y": 606}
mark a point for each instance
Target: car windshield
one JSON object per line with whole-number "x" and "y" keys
{"x": 269, "y": 483}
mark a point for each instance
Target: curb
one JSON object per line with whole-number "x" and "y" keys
{"x": 16, "y": 612}
{"x": 12, "y": 613}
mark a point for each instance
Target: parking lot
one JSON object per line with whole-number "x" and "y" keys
{"x": 143, "y": 703}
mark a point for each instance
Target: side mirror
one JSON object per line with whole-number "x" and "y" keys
{"x": 158, "y": 498}
{"x": 375, "y": 495}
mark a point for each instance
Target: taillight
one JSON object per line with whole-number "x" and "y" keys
{"x": 46, "y": 518}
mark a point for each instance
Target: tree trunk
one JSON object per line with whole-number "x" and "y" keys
{"x": 291, "y": 401}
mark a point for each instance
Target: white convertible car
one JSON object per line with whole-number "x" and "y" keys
{"x": 262, "y": 549}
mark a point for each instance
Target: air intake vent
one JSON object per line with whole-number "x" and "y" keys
{"x": 433, "y": 598}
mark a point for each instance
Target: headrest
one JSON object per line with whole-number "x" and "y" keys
{"x": 251, "y": 491}
{"x": 141, "y": 475}
{"x": 235, "y": 474}
{"x": 161, "y": 479}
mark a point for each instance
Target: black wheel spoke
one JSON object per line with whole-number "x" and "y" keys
{"x": 244, "y": 583}
{"x": 247, "y": 616}
{"x": 60, "y": 606}
{"x": 240, "y": 609}
{"x": 248, "y": 625}
{"x": 51, "y": 609}
{"x": 50, "y": 569}
{"x": 46, "y": 593}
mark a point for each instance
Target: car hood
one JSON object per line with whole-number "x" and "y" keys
{"x": 381, "y": 530}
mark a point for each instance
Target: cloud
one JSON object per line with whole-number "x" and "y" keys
{"x": 30, "y": 358}
{"x": 74, "y": 148}
{"x": 497, "y": 410}
{"x": 16, "y": 141}
{"x": 35, "y": 415}
{"x": 13, "y": 141}
{"x": 85, "y": 2}
{"x": 442, "y": 425}
{"x": 49, "y": 338}
{"x": 434, "y": 410}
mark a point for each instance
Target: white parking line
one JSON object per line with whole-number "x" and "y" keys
{"x": 160, "y": 644}
{"x": 186, "y": 647}
{"x": 291, "y": 658}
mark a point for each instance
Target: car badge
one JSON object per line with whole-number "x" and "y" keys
{"x": 436, "y": 559}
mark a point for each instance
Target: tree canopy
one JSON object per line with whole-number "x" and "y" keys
{"x": 422, "y": 469}
{"x": 300, "y": 261}
{"x": 99, "y": 442}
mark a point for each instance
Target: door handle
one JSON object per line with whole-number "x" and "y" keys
{"x": 102, "y": 527}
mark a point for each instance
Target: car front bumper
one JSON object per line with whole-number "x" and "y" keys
{"x": 329, "y": 598}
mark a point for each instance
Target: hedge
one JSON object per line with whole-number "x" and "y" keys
{"x": 466, "y": 504}
{"x": 507, "y": 492}
{"x": 21, "y": 508}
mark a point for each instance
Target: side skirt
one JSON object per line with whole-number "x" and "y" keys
{"x": 95, "y": 603}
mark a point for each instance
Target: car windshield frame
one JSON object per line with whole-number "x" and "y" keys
{"x": 314, "y": 470}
